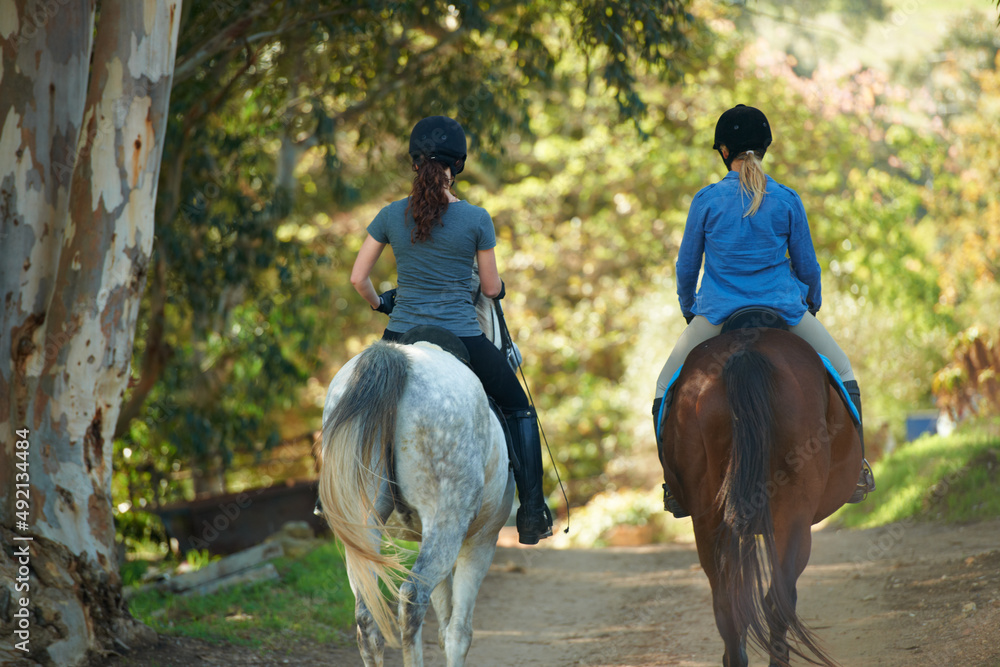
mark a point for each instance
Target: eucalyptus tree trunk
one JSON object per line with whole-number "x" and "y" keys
{"x": 82, "y": 118}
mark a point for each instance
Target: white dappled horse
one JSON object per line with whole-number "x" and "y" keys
{"x": 411, "y": 449}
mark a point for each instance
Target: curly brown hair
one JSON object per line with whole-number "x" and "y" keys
{"x": 428, "y": 198}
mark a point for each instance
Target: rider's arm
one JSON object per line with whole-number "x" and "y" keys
{"x": 802, "y": 253}
{"x": 689, "y": 257}
{"x": 363, "y": 265}
{"x": 489, "y": 277}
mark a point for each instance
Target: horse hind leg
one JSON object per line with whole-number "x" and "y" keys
{"x": 371, "y": 643}
{"x": 437, "y": 556}
{"x": 778, "y": 645}
{"x": 441, "y": 601}
{"x": 470, "y": 570}
{"x": 793, "y": 545}
{"x": 734, "y": 639}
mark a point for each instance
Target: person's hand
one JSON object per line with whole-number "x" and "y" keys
{"x": 688, "y": 317}
{"x": 386, "y": 301}
{"x": 812, "y": 309}
{"x": 503, "y": 292}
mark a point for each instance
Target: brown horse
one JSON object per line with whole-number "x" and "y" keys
{"x": 758, "y": 443}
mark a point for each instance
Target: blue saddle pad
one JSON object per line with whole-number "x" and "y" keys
{"x": 841, "y": 389}
{"x": 830, "y": 371}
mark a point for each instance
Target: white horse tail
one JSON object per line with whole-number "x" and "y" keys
{"x": 357, "y": 460}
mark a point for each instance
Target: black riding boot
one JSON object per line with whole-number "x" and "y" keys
{"x": 669, "y": 502}
{"x": 866, "y": 482}
{"x": 534, "y": 520}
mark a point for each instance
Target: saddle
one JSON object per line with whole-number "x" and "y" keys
{"x": 762, "y": 317}
{"x": 754, "y": 317}
{"x": 441, "y": 337}
{"x": 750, "y": 317}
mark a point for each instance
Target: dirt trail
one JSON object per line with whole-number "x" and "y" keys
{"x": 908, "y": 594}
{"x": 904, "y": 595}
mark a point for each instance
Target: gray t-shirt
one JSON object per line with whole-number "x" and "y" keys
{"x": 434, "y": 277}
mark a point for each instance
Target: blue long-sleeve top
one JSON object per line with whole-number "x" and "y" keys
{"x": 766, "y": 259}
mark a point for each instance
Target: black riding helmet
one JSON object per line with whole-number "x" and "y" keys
{"x": 741, "y": 129}
{"x": 439, "y": 138}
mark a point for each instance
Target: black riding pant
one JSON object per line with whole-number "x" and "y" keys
{"x": 490, "y": 366}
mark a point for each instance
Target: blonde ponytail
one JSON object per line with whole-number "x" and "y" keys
{"x": 752, "y": 181}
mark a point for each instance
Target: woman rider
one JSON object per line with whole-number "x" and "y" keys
{"x": 436, "y": 237}
{"x": 754, "y": 236}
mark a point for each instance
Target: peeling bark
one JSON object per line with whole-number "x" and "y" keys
{"x": 82, "y": 121}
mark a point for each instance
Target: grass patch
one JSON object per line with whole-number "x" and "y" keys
{"x": 312, "y": 600}
{"x": 131, "y": 571}
{"x": 947, "y": 478}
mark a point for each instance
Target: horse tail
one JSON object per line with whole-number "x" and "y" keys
{"x": 357, "y": 461}
{"x": 745, "y": 497}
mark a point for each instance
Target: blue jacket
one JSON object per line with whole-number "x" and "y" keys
{"x": 764, "y": 260}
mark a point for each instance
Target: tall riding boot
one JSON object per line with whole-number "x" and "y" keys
{"x": 534, "y": 520}
{"x": 866, "y": 482}
{"x": 669, "y": 502}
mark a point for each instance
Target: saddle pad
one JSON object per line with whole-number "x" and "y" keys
{"x": 830, "y": 371}
{"x": 841, "y": 389}
{"x": 664, "y": 403}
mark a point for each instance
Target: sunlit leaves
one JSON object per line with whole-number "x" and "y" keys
{"x": 284, "y": 116}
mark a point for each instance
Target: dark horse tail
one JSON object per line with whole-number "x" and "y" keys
{"x": 745, "y": 496}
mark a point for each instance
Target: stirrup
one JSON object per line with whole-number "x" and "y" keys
{"x": 866, "y": 483}
{"x": 671, "y": 505}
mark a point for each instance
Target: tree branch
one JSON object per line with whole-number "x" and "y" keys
{"x": 399, "y": 80}
{"x": 157, "y": 353}
{"x": 188, "y": 64}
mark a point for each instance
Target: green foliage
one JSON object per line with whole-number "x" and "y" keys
{"x": 856, "y": 13}
{"x": 198, "y": 559}
{"x": 283, "y": 115}
{"x": 590, "y": 217}
{"x": 285, "y": 144}
{"x": 970, "y": 383}
{"x": 946, "y": 478}
{"x": 965, "y": 204}
{"x": 132, "y": 571}
{"x": 312, "y": 599}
